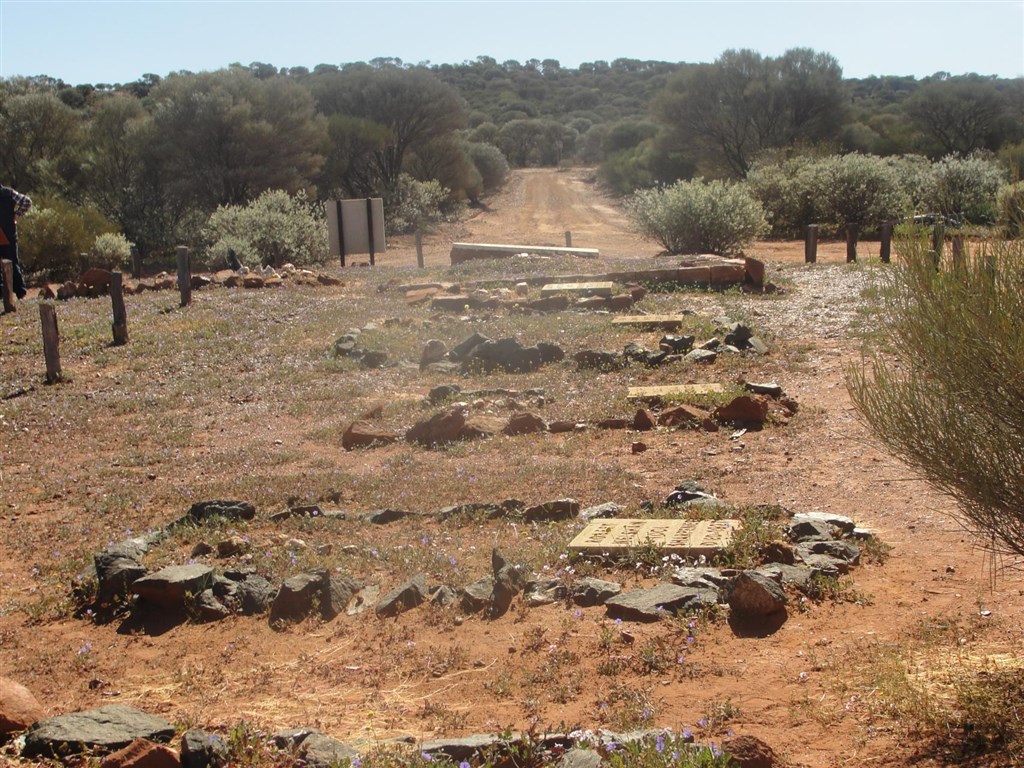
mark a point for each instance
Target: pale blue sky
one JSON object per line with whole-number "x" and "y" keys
{"x": 116, "y": 41}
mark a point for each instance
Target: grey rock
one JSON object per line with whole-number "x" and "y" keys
{"x": 476, "y": 596}
{"x": 754, "y": 595}
{"x": 756, "y": 345}
{"x": 208, "y": 608}
{"x": 580, "y": 758}
{"x": 549, "y": 511}
{"x": 345, "y": 345}
{"x": 688, "y": 490}
{"x": 299, "y": 594}
{"x": 504, "y": 354}
{"x": 385, "y": 516}
{"x": 843, "y": 523}
{"x": 653, "y": 603}
{"x": 433, "y": 351}
{"x": 544, "y": 592}
{"x": 509, "y": 580}
{"x": 170, "y": 587}
{"x": 363, "y": 600}
{"x": 254, "y": 595}
{"x": 825, "y": 565}
{"x": 798, "y": 576}
{"x": 809, "y": 530}
{"x": 443, "y": 595}
{"x": 200, "y": 749}
{"x": 700, "y": 578}
{"x": 444, "y": 392}
{"x": 591, "y": 591}
{"x": 590, "y": 359}
{"x": 321, "y": 751}
{"x": 107, "y": 728}
{"x": 202, "y": 511}
{"x": 550, "y": 353}
{"x": 460, "y": 749}
{"x": 409, "y": 595}
{"x": 635, "y": 352}
{"x": 114, "y": 576}
{"x": 841, "y": 550}
{"x": 674, "y": 344}
{"x": 608, "y": 509}
{"x": 702, "y": 356}
{"x": 373, "y": 358}
{"x": 337, "y": 593}
{"x": 471, "y": 510}
{"x": 462, "y": 351}
{"x": 770, "y": 389}
{"x": 737, "y": 334}
{"x": 292, "y": 737}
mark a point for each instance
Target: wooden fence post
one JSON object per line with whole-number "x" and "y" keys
{"x": 51, "y": 341}
{"x": 83, "y": 263}
{"x": 136, "y": 263}
{"x": 938, "y": 243}
{"x": 369, "y": 228}
{"x": 958, "y": 251}
{"x": 811, "y": 244}
{"x": 184, "y": 275}
{"x": 8, "y": 276}
{"x": 120, "y": 324}
{"x": 852, "y": 233}
{"x": 419, "y": 249}
{"x": 885, "y": 245}
{"x": 568, "y": 239}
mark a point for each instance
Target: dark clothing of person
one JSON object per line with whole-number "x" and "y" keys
{"x": 12, "y": 205}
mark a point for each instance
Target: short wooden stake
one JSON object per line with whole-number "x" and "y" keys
{"x": 83, "y": 263}
{"x": 184, "y": 276}
{"x": 120, "y": 324}
{"x": 136, "y": 263}
{"x": 419, "y": 249}
{"x": 811, "y": 244}
{"x": 852, "y": 233}
{"x": 51, "y": 341}
{"x": 885, "y": 245}
{"x": 568, "y": 239}
{"x": 8, "y": 274}
{"x": 958, "y": 251}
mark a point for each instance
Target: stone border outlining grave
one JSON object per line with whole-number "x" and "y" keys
{"x": 462, "y": 252}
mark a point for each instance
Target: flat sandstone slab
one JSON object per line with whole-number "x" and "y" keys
{"x": 578, "y": 289}
{"x": 670, "y": 390}
{"x": 657, "y": 322}
{"x": 683, "y": 537}
{"x": 465, "y": 251}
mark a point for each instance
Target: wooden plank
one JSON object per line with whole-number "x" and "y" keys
{"x": 579, "y": 289}
{"x": 689, "y": 538}
{"x": 670, "y": 390}
{"x": 656, "y": 322}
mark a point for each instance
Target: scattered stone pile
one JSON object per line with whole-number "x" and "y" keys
{"x": 518, "y": 300}
{"x": 96, "y": 282}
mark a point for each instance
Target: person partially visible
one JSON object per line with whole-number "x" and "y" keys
{"x": 12, "y": 205}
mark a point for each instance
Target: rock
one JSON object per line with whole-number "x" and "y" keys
{"x": 750, "y": 752}
{"x": 321, "y": 751}
{"x": 107, "y": 728}
{"x": 643, "y": 421}
{"x": 509, "y": 581}
{"x": 409, "y": 595}
{"x": 504, "y": 354}
{"x": 549, "y": 511}
{"x": 590, "y": 591}
{"x": 443, "y": 595}
{"x": 465, "y": 748}
{"x": 550, "y": 353}
{"x": 654, "y": 603}
{"x": 778, "y": 552}
{"x": 96, "y": 280}
{"x": 590, "y": 359}
{"x": 18, "y": 708}
{"x": 699, "y": 578}
{"x": 619, "y": 302}
{"x": 680, "y": 415}
{"x": 577, "y": 757}
{"x": 823, "y": 565}
{"x": 433, "y": 351}
{"x": 754, "y": 595}
{"x": 558, "y": 303}
{"x": 635, "y": 352}
{"x": 737, "y": 334}
{"x": 208, "y": 608}
{"x": 478, "y": 427}
{"x": 363, "y": 434}
{"x": 757, "y": 346}
{"x": 142, "y": 753}
{"x": 544, "y": 592}
{"x": 700, "y": 356}
{"x": 769, "y": 389}
{"x": 362, "y": 600}
{"x": 677, "y": 345}
{"x": 841, "y": 550}
{"x": 476, "y": 596}
{"x": 373, "y": 358}
{"x": 439, "y": 429}
{"x": 345, "y": 345}
{"x": 254, "y": 595}
{"x": 173, "y": 586}
{"x": 115, "y": 573}
{"x": 438, "y": 395}
{"x": 200, "y": 749}
{"x": 202, "y": 511}
{"x": 608, "y": 509}
{"x": 743, "y": 411}
{"x": 781, "y": 573}
{"x": 843, "y": 523}
{"x": 613, "y": 422}
{"x": 809, "y": 530}
{"x": 637, "y": 447}
{"x": 234, "y": 545}
{"x": 525, "y": 423}
{"x": 462, "y": 351}
{"x": 561, "y": 426}
{"x": 299, "y": 594}
{"x": 688, "y": 490}
{"x": 386, "y": 516}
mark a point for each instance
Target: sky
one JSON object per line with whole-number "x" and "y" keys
{"x": 117, "y": 41}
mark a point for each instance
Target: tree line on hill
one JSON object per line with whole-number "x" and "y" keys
{"x": 155, "y": 158}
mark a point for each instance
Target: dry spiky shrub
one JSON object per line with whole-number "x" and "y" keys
{"x": 950, "y": 399}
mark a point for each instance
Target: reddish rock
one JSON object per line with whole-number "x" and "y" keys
{"x": 363, "y": 434}
{"x": 638, "y": 447}
{"x": 374, "y": 413}
{"x": 745, "y": 410}
{"x": 619, "y": 302}
{"x": 592, "y": 302}
{"x": 232, "y": 281}
{"x": 142, "y": 753}
{"x": 18, "y": 707}
{"x": 679, "y": 415}
{"x": 637, "y": 292}
{"x": 643, "y": 421}
{"x": 750, "y": 752}
{"x": 478, "y": 427}
{"x": 67, "y": 291}
{"x": 200, "y": 281}
{"x": 96, "y": 279}
{"x": 439, "y": 429}
{"x": 420, "y": 295}
{"x": 549, "y": 304}
{"x": 328, "y": 280}
{"x": 525, "y": 423}
{"x": 47, "y": 292}
{"x": 755, "y": 271}
{"x": 778, "y": 552}
{"x": 613, "y": 423}
{"x": 562, "y": 425}
{"x": 252, "y": 281}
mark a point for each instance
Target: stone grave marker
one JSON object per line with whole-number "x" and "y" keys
{"x": 689, "y": 538}
{"x": 578, "y": 289}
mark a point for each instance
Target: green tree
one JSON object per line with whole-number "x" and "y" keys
{"x": 38, "y": 137}
{"x": 960, "y": 115}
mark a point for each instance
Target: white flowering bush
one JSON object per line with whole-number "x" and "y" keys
{"x": 698, "y": 216}
{"x": 275, "y": 228}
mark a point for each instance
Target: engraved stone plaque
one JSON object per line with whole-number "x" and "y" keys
{"x": 682, "y": 537}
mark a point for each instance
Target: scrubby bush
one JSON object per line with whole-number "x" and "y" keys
{"x": 785, "y": 191}
{"x": 858, "y": 189}
{"x": 698, "y": 216}
{"x": 965, "y": 188}
{"x": 1010, "y": 208}
{"x": 950, "y": 400}
{"x": 53, "y": 235}
{"x": 275, "y": 228}
{"x": 490, "y": 164}
{"x": 111, "y": 250}
{"x": 414, "y": 205}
